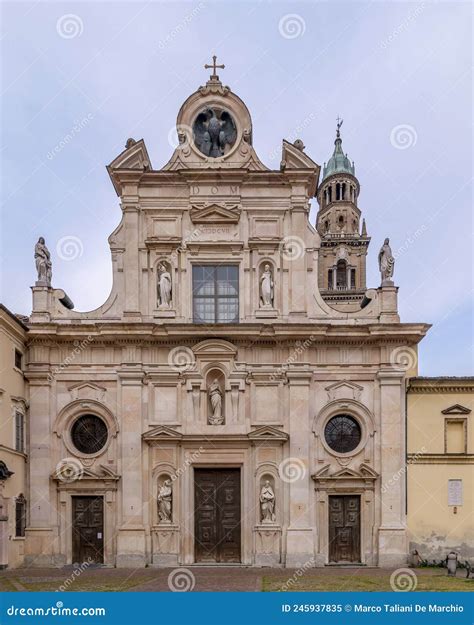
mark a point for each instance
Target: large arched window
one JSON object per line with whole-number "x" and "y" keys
{"x": 341, "y": 275}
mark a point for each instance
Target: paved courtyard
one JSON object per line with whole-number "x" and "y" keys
{"x": 203, "y": 578}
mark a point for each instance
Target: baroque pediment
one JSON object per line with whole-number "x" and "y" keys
{"x": 365, "y": 472}
{"x": 162, "y": 433}
{"x": 215, "y": 213}
{"x": 135, "y": 156}
{"x": 344, "y": 390}
{"x": 87, "y": 390}
{"x": 77, "y": 473}
{"x": 268, "y": 433}
{"x": 456, "y": 409}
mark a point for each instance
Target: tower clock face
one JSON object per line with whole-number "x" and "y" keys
{"x": 89, "y": 434}
{"x": 342, "y": 433}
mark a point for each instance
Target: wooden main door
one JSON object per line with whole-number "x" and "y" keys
{"x": 88, "y": 529}
{"x": 217, "y": 515}
{"x": 344, "y": 528}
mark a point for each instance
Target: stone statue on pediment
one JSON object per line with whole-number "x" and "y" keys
{"x": 386, "y": 263}
{"x": 44, "y": 266}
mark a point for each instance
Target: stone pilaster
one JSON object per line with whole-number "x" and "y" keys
{"x": 300, "y": 533}
{"x": 41, "y": 533}
{"x": 392, "y": 539}
{"x": 131, "y": 548}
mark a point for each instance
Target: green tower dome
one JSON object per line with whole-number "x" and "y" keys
{"x": 339, "y": 162}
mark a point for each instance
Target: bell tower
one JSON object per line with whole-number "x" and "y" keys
{"x": 344, "y": 241}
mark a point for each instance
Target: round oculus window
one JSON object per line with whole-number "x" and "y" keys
{"x": 342, "y": 433}
{"x": 89, "y": 434}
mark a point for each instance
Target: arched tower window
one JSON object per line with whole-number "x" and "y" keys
{"x": 341, "y": 275}
{"x": 329, "y": 192}
{"x": 338, "y": 191}
{"x": 353, "y": 278}
{"x": 343, "y": 195}
{"x": 329, "y": 279}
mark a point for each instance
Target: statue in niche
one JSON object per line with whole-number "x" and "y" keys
{"x": 267, "y": 503}
{"x": 165, "y": 495}
{"x": 215, "y": 397}
{"x": 44, "y": 266}
{"x": 386, "y": 262}
{"x": 164, "y": 287}
{"x": 213, "y": 131}
{"x": 266, "y": 287}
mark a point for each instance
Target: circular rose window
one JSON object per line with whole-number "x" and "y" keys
{"x": 342, "y": 433}
{"x": 89, "y": 434}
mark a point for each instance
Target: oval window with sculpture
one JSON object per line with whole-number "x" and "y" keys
{"x": 214, "y": 132}
{"x": 89, "y": 434}
{"x": 342, "y": 433}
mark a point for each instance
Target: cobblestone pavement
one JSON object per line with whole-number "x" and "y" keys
{"x": 207, "y": 578}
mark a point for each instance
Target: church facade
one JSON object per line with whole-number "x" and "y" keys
{"x": 240, "y": 396}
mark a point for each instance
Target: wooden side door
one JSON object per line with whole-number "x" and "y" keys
{"x": 344, "y": 528}
{"x": 88, "y": 529}
{"x": 217, "y": 534}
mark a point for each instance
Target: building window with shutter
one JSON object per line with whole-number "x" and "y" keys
{"x": 18, "y": 359}
{"x": 216, "y": 294}
{"x": 20, "y": 516}
{"x": 19, "y": 431}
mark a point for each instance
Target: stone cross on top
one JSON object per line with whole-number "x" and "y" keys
{"x": 214, "y": 66}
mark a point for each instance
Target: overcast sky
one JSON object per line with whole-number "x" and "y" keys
{"x": 79, "y": 78}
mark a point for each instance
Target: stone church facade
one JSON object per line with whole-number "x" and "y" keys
{"x": 240, "y": 396}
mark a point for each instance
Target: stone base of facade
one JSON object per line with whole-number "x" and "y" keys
{"x": 131, "y": 550}
{"x": 299, "y": 544}
{"x": 392, "y": 547}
